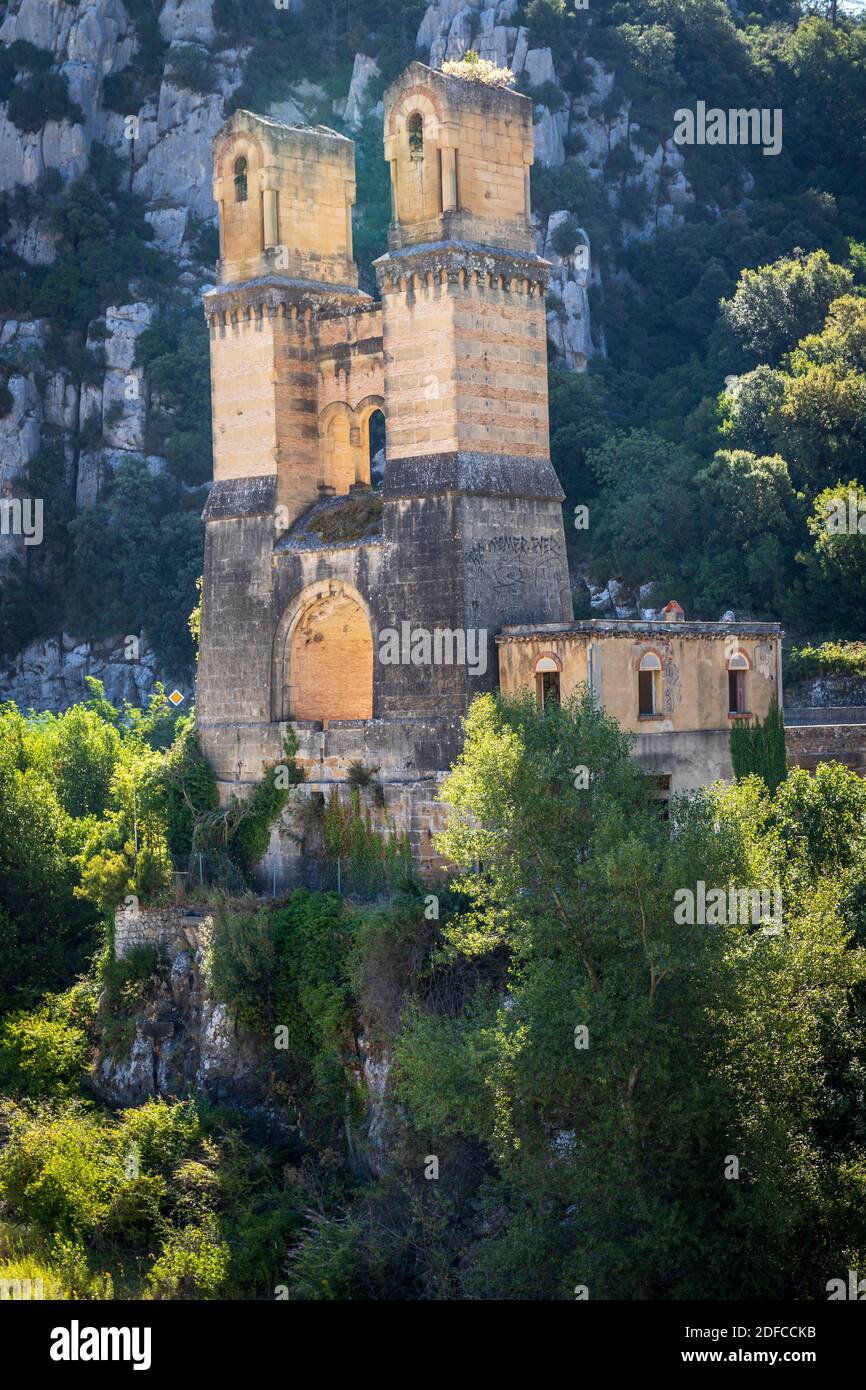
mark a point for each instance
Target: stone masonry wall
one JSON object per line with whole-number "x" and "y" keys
{"x": 169, "y": 929}
{"x": 810, "y": 744}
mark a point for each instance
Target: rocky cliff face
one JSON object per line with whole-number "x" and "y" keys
{"x": 177, "y": 1040}
{"x": 161, "y": 130}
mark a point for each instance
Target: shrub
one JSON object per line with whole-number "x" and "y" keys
{"x": 133, "y": 979}
{"x": 40, "y": 1054}
{"x": 325, "y": 1264}
{"x": 193, "y": 1263}
{"x": 241, "y": 966}
{"x": 60, "y": 1170}
{"x": 761, "y": 749}
{"x": 43, "y": 97}
{"x": 162, "y": 1134}
{"x": 136, "y": 1211}
{"x": 472, "y": 68}
{"x": 189, "y": 68}
{"x": 105, "y": 880}
{"x": 827, "y": 659}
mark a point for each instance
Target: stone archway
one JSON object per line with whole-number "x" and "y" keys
{"x": 323, "y": 656}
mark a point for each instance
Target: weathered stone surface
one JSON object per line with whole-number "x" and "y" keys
{"x": 569, "y": 326}
{"x": 187, "y": 21}
{"x": 538, "y": 67}
{"x": 236, "y": 497}
{"x": 822, "y": 692}
{"x": 808, "y": 745}
{"x": 357, "y": 103}
{"x": 50, "y": 673}
{"x": 549, "y": 146}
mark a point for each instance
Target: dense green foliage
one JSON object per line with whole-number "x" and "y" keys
{"x": 100, "y": 803}
{"x": 759, "y": 749}
{"x": 733, "y": 390}
{"x": 543, "y": 1012}
{"x": 827, "y": 659}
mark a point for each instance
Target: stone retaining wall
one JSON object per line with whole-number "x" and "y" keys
{"x": 820, "y": 692}
{"x": 810, "y": 744}
{"x": 169, "y": 929}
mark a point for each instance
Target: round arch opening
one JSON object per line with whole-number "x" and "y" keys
{"x": 328, "y": 660}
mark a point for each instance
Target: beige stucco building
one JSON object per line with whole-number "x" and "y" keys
{"x": 679, "y": 687}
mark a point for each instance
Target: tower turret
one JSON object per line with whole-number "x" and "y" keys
{"x": 469, "y": 485}
{"x": 284, "y": 195}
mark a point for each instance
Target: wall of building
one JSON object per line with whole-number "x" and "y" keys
{"x": 687, "y": 760}
{"x": 471, "y": 181}
{"x": 810, "y": 744}
{"x": 694, "y": 680}
{"x": 465, "y": 354}
{"x": 296, "y": 220}
{"x": 694, "y": 675}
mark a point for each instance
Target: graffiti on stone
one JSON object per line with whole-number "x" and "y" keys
{"x": 517, "y": 564}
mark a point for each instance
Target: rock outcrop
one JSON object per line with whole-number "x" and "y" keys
{"x": 50, "y": 674}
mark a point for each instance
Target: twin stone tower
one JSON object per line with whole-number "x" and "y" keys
{"x": 365, "y": 616}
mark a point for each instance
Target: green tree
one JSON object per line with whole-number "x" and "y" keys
{"x": 692, "y": 1050}
{"x": 775, "y": 306}
{"x": 760, "y": 749}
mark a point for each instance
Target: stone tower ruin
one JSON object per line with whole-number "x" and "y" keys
{"x": 364, "y": 613}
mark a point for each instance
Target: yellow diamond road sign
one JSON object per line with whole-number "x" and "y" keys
{"x": 176, "y": 697}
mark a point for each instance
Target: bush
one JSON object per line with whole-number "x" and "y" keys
{"x": 472, "y": 68}
{"x": 161, "y": 1134}
{"x": 193, "y": 1263}
{"x": 43, "y": 97}
{"x": 242, "y": 966}
{"x": 325, "y": 1264}
{"x": 60, "y": 1170}
{"x": 761, "y": 749}
{"x": 41, "y": 1054}
{"x": 106, "y": 878}
{"x": 190, "y": 69}
{"x": 132, "y": 979}
{"x": 827, "y": 659}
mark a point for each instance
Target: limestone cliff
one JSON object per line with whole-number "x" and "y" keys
{"x": 151, "y": 84}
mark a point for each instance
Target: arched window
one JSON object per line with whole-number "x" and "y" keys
{"x": 649, "y": 685}
{"x": 738, "y": 666}
{"x": 240, "y": 179}
{"x": 376, "y": 441}
{"x": 415, "y": 129}
{"x": 547, "y": 682}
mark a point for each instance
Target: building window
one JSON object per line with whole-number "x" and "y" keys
{"x": 376, "y": 447}
{"x": 415, "y": 128}
{"x": 737, "y": 668}
{"x": 240, "y": 180}
{"x": 648, "y": 685}
{"x": 547, "y": 683}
